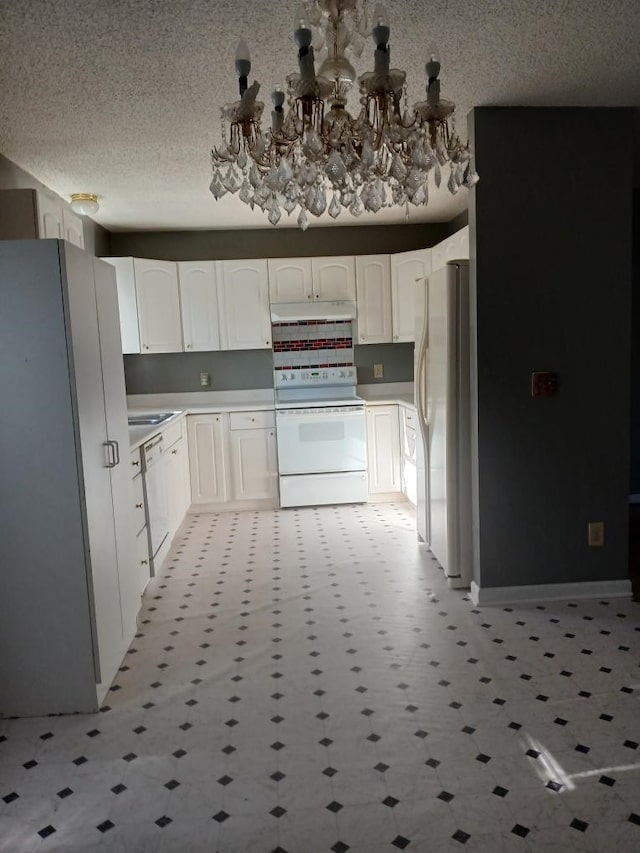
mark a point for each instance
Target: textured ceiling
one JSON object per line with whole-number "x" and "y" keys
{"x": 122, "y": 98}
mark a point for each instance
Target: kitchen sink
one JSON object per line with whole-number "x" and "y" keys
{"x": 150, "y": 420}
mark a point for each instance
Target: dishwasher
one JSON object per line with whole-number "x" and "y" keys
{"x": 153, "y": 478}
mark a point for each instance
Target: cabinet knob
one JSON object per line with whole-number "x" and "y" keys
{"x": 174, "y": 452}
{"x": 317, "y": 296}
{"x": 189, "y": 346}
{"x": 139, "y": 506}
{"x": 144, "y": 562}
{"x": 146, "y": 346}
{"x": 253, "y": 420}
{"x": 135, "y": 464}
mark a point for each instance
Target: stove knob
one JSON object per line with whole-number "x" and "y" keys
{"x": 342, "y": 374}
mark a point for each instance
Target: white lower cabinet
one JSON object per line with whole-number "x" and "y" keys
{"x": 383, "y": 451}
{"x": 232, "y": 459}
{"x": 176, "y": 462}
{"x": 207, "y": 435}
{"x": 408, "y": 459}
{"x": 254, "y": 462}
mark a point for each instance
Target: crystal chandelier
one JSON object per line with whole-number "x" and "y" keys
{"x": 316, "y": 155}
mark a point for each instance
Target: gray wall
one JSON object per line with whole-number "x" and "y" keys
{"x": 178, "y": 372}
{"x": 275, "y": 242}
{"x": 551, "y": 268}
{"x": 12, "y": 177}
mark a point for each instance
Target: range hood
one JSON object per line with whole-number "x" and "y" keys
{"x": 291, "y": 312}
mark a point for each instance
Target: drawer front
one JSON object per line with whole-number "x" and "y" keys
{"x": 252, "y": 420}
{"x": 138, "y": 503}
{"x": 172, "y": 433}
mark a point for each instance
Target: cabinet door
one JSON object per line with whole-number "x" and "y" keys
{"x": 199, "y": 304}
{"x": 127, "y": 305}
{"x": 73, "y": 229}
{"x": 383, "y": 449}
{"x": 174, "y": 480}
{"x": 245, "y": 322}
{"x": 49, "y": 217}
{"x": 142, "y": 560}
{"x": 289, "y": 279}
{"x": 373, "y": 289}
{"x": 453, "y": 248}
{"x": 254, "y": 467}
{"x": 115, "y": 403}
{"x": 406, "y": 269}
{"x": 207, "y": 436}
{"x": 334, "y": 278}
{"x": 96, "y": 477}
{"x": 158, "y": 305}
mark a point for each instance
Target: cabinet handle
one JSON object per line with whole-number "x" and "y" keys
{"x": 111, "y": 454}
{"x": 136, "y": 463}
{"x": 174, "y": 452}
{"x": 144, "y": 562}
{"x": 139, "y": 506}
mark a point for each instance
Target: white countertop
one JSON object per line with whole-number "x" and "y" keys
{"x": 214, "y": 402}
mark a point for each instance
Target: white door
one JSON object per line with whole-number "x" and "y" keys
{"x": 289, "y": 280}
{"x": 72, "y": 227}
{"x": 127, "y": 305}
{"x": 115, "y": 402}
{"x": 158, "y": 305}
{"x": 254, "y": 467}
{"x": 383, "y": 449}
{"x": 49, "y": 217}
{"x": 406, "y": 269}
{"x": 373, "y": 288}
{"x": 94, "y": 459}
{"x": 207, "y": 458}
{"x": 334, "y": 278}
{"x": 245, "y": 322}
{"x": 199, "y": 305}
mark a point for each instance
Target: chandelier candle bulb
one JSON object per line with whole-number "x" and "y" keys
{"x": 243, "y": 65}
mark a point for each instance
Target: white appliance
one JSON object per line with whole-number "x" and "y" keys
{"x": 442, "y": 392}
{"x": 321, "y": 434}
{"x": 153, "y": 478}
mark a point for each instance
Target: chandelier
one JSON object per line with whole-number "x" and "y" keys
{"x": 317, "y": 156}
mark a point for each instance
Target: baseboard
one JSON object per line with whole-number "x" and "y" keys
{"x": 549, "y": 592}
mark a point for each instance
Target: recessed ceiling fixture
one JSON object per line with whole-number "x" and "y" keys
{"x": 317, "y": 156}
{"x": 86, "y": 204}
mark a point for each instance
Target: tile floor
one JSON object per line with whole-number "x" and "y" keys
{"x": 304, "y": 681}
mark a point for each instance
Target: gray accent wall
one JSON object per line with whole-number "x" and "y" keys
{"x": 159, "y": 373}
{"x": 551, "y": 245}
{"x": 276, "y": 242}
{"x": 13, "y": 177}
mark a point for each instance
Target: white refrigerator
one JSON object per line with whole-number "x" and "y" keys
{"x": 442, "y": 396}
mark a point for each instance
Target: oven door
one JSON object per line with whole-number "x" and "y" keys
{"x": 321, "y": 440}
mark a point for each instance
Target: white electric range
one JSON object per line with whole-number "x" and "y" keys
{"x": 321, "y": 436}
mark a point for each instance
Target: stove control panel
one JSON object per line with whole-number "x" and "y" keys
{"x": 306, "y": 377}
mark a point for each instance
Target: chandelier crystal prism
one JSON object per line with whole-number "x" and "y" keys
{"x": 317, "y": 156}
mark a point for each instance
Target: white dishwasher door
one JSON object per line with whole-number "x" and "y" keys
{"x": 321, "y": 440}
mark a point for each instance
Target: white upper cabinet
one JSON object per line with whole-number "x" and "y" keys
{"x": 158, "y": 301}
{"x": 49, "y": 217}
{"x": 373, "y": 288}
{"x": 406, "y": 269}
{"x": 245, "y": 322}
{"x": 453, "y": 248}
{"x": 290, "y": 280}
{"x": 199, "y": 303}
{"x": 72, "y": 228}
{"x": 334, "y": 278}
{"x": 127, "y": 304}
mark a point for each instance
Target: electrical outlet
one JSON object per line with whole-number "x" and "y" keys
{"x": 595, "y": 533}
{"x": 378, "y": 371}
{"x": 205, "y": 379}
